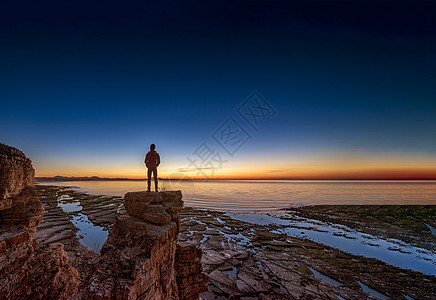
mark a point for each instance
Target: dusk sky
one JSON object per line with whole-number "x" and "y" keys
{"x": 348, "y": 88}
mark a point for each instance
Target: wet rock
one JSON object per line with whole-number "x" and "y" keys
{"x": 244, "y": 288}
{"x": 285, "y": 274}
{"x": 226, "y": 267}
{"x": 403, "y": 222}
{"x": 229, "y": 253}
{"x": 242, "y": 255}
{"x": 235, "y": 262}
{"x": 224, "y": 283}
{"x": 212, "y": 258}
{"x": 253, "y": 281}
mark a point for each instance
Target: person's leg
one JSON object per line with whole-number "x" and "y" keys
{"x": 155, "y": 178}
{"x": 149, "y": 178}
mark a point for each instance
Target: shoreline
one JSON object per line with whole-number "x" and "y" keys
{"x": 241, "y": 258}
{"x": 250, "y": 196}
{"x": 387, "y": 224}
{"x": 96, "y": 178}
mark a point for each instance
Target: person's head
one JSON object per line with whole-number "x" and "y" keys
{"x": 152, "y": 147}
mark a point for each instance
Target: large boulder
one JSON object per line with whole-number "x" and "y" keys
{"x": 155, "y": 207}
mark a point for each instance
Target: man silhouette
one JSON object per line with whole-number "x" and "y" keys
{"x": 152, "y": 161}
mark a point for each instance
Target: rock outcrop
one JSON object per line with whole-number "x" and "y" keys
{"x": 191, "y": 280}
{"x": 16, "y": 173}
{"x": 26, "y": 211}
{"x": 157, "y": 208}
{"x": 27, "y": 270}
{"x": 141, "y": 258}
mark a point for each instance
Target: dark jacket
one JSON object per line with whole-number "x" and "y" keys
{"x": 152, "y": 159}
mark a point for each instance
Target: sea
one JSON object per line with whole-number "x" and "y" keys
{"x": 261, "y": 196}
{"x": 263, "y": 202}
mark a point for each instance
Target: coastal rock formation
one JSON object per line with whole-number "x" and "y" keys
{"x": 141, "y": 258}
{"x": 158, "y": 208}
{"x": 26, "y": 211}
{"x": 16, "y": 172}
{"x": 27, "y": 270}
{"x": 189, "y": 272}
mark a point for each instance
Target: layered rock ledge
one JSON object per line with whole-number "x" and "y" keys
{"x": 158, "y": 208}
{"x": 16, "y": 173}
{"x": 141, "y": 258}
{"x": 27, "y": 270}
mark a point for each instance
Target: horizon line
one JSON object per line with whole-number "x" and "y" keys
{"x": 97, "y": 178}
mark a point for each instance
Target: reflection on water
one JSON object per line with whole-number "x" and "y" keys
{"x": 64, "y": 202}
{"x": 392, "y": 251}
{"x": 261, "y": 196}
{"x": 89, "y": 234}
{"x": 264, "y": 196}
{"x": 432, "y": 229}
{"x": 325, "y": 278}
{"x": 372, "y": 292}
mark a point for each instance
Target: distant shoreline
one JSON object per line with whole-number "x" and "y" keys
{"x": 96, "y": 178}
{"x": 92, "y": 178}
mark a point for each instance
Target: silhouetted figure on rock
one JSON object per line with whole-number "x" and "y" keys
{"x": 152, "y": 161}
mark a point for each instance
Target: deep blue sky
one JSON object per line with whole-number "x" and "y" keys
{"x": 86, "y": 86}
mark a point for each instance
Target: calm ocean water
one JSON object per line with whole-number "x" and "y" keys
{"x": 262, "y": 196}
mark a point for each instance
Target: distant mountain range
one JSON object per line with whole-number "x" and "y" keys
{"x": 86, "y": 178}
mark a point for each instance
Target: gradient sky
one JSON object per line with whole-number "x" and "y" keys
{"x": 86, "y": 86}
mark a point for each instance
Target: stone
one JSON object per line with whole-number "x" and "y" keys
{"x": 16, "y": 172}
{"x": 34, "y": 272}
{"x": 27, "y": 211}
{"x": 154, "y": 207}
{"x": 191, "y": 280}
{"x": 243, "y": 255}
{"x": 253, "y": 281}
{"x": 141, "y": 259}
{"x": 224, "y": 283}
{"x": 243, "y": 287}
{"x": 28, "y": 270}
{"x": 19, "y": 205}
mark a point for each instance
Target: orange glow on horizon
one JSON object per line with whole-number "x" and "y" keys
{"x": 362, "y": 174}
{"x": 344, "y": 166}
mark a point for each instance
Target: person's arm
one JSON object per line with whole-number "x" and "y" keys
{"x": 146, "y": 159}
{"x": 157, "y": 160}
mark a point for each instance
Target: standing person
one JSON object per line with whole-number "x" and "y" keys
{"x": 152, "y": 161}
